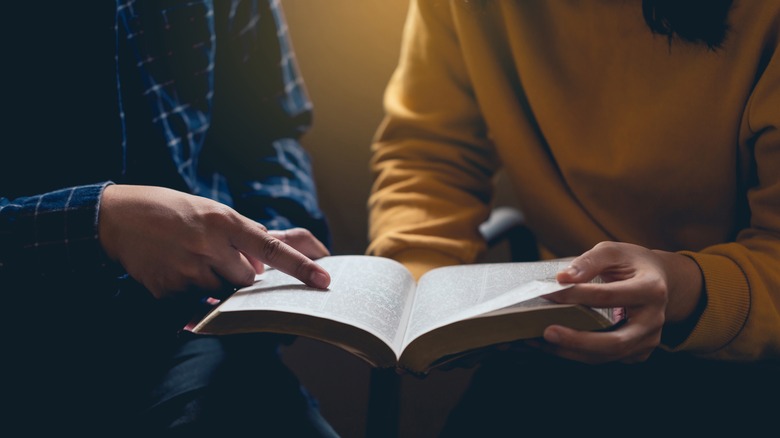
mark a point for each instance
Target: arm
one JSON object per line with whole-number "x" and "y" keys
{"x": 52, "y": 234}
{"x": 167, "y": 240}
{"x": 720, "y": 302}
{"x": 432, "y": 162}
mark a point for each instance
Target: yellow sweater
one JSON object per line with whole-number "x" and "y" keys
{"x": 606, "y": 132}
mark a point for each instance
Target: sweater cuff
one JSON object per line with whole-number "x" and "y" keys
{"x": 727, "y": 304}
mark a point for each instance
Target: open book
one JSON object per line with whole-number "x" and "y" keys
{"x": 374, "y": 309}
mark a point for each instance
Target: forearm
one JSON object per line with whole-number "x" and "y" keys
{"x": 52, "y": 234}
{"x": 427, "y": 202}
{"x": 432, "y": 162}
{"x": 741, "y": 278}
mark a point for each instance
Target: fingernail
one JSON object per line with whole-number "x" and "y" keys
{"x": 320, "y": 279}
{"x": 571, "y": 271}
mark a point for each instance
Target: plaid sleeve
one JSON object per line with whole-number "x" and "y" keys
{"x": 52, "y": 234}
{"x": 287, "y": 196}
{"x": 268, "y": 173}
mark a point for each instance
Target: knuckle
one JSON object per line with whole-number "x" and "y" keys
{"x": 271, "y": 249}
{"x": 300, "y": 233}
{"x": 657, "y": 292}
{"x": 246, "y": 278}
{"x": 608, "y": 250}
{"x": 297, "y": 235}
{"x": 219, "y": 215}
{"x": 302, "y": 269}
{"x": 588, "y": 261}
{"x": 607, "y": 246}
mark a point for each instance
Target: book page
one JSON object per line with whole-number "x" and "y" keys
{"x": 452, "y": 293}
{"x": 371, "y": 293}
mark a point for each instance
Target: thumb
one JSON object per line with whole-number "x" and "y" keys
{"x": 571, "y": 274}
{"x": 587, "y": 266}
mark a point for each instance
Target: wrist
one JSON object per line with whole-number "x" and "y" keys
{"x": 685, "y": 286}
{"x": 105, "y": 227}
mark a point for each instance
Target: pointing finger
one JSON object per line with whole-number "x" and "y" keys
{"x": 257, "y": 243}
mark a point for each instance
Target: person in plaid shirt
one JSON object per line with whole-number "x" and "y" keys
{"x": 150, "y": 159}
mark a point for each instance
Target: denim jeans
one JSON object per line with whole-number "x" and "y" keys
{"x": 79, "y": 362}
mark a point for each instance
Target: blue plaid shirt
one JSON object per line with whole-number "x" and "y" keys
{"x": 203, "y": 96}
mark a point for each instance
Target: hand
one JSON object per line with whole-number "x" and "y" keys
{"x": 175, "y": 243}
{"x": 302, "y": 240}
{"x": 654, "y": 287}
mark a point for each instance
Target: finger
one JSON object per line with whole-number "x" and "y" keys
{"x": 234, "y": 268}
{"x": 563, "y": 344}
{"x": 224, "y": 290}
{"x": 602, "y": 295}
{"x": 302, "y": 240}
{"x": 645, "y": 288}
{"x": 257, "y": 265}
{"x": 189, "y": 283}
{"x": 606, "y": 256}
{"x": 207, "y": 281}
{"x": 257, "y": 243}
{"x": 595, "y": 358}
{"x": 627, "y": 343}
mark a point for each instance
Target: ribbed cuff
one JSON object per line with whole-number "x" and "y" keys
{"x": 728, "y": 304}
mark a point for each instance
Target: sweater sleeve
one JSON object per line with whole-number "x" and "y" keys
{"x": 432, "y": 162}
{"x": 52, "y": 234}
{"x": 741, "y": 319}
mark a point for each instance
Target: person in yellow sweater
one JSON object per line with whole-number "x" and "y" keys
{"x": 642, "y": 137}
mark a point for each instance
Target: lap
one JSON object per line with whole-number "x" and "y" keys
{"x": 108, "y": 367}
{"x": 230, "y": 385}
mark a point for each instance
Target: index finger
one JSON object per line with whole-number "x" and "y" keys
{"x": 615, "y": 294}
{"x": 257, "y": 243}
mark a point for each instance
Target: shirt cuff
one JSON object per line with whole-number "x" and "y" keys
{"x": 60, "y": 230}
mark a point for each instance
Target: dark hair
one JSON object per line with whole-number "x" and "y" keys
{"x": 698, "y": 21}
